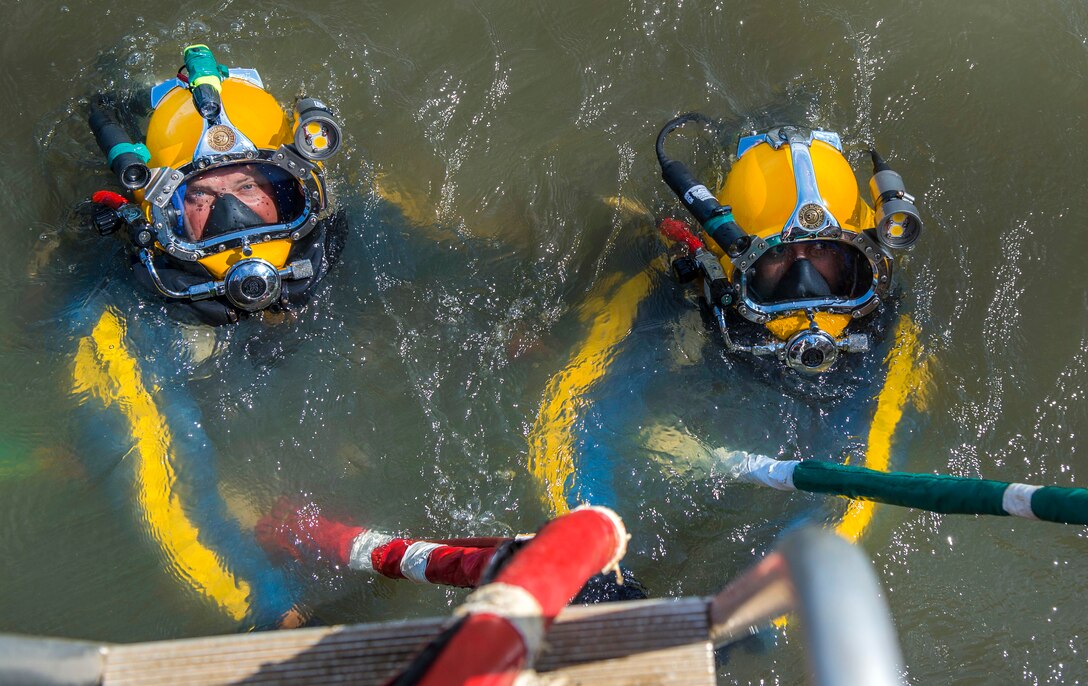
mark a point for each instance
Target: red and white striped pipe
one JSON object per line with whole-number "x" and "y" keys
{"x": 420, "y": 561}
{"x": 506, "y": 620}
{"x": 309, "y": 536}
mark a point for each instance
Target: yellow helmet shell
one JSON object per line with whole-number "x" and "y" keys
{"x": 176, "y": 127}
{"x": 760, "y": 188}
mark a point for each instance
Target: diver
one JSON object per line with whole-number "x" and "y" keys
{"x": 792, "y": 270}
{"x": 792, "y": 257}
{"x": 231, "y": 214}
{"x": 229, "y": 217}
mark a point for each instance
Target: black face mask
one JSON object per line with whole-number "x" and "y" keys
{"x": 230, "y": 214}
{"x": 801, "y": 281}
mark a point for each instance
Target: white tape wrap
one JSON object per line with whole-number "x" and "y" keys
{"x": 414, "y": 563}
{"x": 361, "y": 548}
{"x": 1016, "y": 500}
{"x": 515, "y": 605}
{"x": 767, "y": 471}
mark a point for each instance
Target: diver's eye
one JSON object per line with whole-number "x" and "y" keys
{"x": 777, "y": 252}
{"x": 249, "y": 189}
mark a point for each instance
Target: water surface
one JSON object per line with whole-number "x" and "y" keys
{"x": 404, "y": 395}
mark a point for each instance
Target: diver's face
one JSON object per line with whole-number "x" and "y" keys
{"x": 828, "y": 259}
{"x": 247, "y": 185}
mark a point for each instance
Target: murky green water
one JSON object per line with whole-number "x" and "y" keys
{"x": 404, "y": 395}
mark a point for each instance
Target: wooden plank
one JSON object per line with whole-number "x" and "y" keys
{"x": 624, "y": 644}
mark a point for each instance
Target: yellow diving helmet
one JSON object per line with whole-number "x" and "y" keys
{"x": 234, "y": 196}
{"x": 792, "y": 246}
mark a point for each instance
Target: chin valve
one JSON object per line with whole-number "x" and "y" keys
{"x": 811, "y": 351}
{"x": 252, "y": 284}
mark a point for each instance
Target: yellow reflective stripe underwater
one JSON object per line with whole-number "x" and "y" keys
{"x": 104, "y": 368}
{"x": 906, "y": 374}
{"x": 551, "y": 440}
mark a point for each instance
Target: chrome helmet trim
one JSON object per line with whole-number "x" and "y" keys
{"x": 810, "y": 220}
{"x": 166, "y": 182}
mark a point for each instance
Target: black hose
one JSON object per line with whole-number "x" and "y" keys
{"x": 879, "y": 164}
{"x": 716, "y": 218}
{"x": 674, "y": 124}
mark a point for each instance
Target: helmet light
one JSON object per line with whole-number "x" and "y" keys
{"x": 318, "y": 134}
{"x": 898, "y": 224}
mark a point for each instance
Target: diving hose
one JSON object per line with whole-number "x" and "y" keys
{"x": 306, "y": 535}
{"x": 933, "y": 492}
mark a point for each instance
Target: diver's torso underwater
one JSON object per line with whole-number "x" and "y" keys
{"x": 789, "y": 344}
{"x": 230, "y": 218}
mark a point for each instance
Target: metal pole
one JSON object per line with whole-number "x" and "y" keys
{"x": 830, "y": 584}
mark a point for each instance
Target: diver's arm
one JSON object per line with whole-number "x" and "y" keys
{"x": 122, "y": 375}
{"x": 271, "y": 596}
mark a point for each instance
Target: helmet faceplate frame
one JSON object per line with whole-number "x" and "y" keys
{"x": 165, "y": 182}
{"x": 857, "y": 307}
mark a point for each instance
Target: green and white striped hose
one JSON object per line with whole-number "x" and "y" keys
{"x": 933, "y": 492}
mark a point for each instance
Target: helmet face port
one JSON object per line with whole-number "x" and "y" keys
{"x": 224, "y": 200}
{"x": 229, "y": 200}
{"x": 818, "y": 271}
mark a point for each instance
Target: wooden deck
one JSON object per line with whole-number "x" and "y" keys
{"x": 634, "y": 643}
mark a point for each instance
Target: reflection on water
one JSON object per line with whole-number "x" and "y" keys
{"x": 484, "y": 144}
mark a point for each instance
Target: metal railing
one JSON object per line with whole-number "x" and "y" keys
{"x": 832, "y": 588}
{"x": 29, "y": 661}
